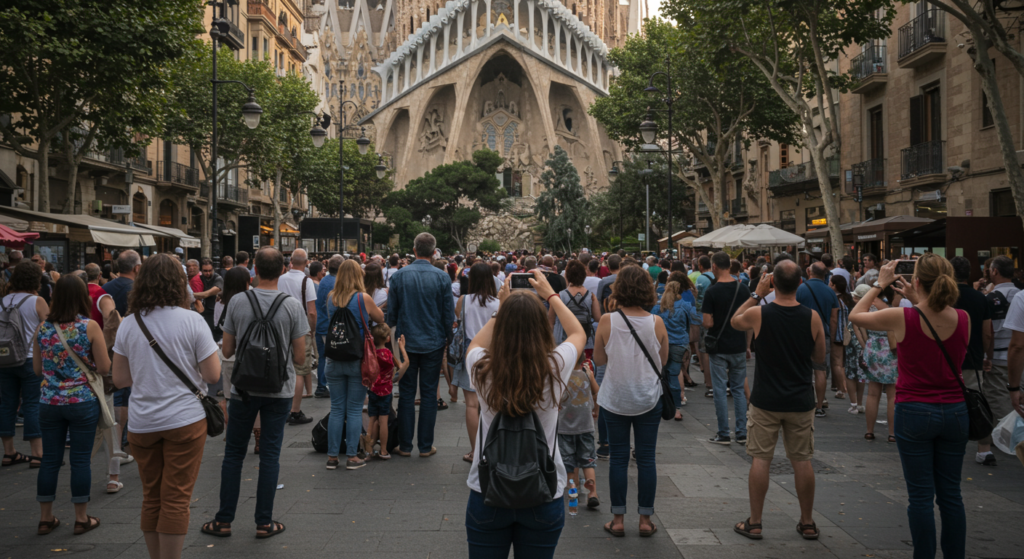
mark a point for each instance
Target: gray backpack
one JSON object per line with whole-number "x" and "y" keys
{"x": 13, "y": 349}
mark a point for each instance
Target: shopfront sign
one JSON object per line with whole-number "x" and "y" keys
{"x": 818, "y": 222}
{"x": 126, "y": 209}
{"x": 871, "y": 237}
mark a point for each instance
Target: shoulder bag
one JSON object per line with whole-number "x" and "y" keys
{"x": 978, "y": 411}
{"x": 214, "y": 415}
{"x": 711, "y": 342}
{"x": 368, "y": 368}
{"x": 457, "y": 347}
{"x": 668, "y": 407}
{"x": 96, "y": 382}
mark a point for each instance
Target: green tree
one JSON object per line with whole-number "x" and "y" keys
{"x": 317, "y": 171}
{"x": 793, "y": 43}
{"x": 719, "y": 101}
{"x": 562, "y": 209}
{"x": 93, "y": 66}
{"x": 454, "y": 195}
{"x": 489, "y": 245}
{"x": 625, "y": 201}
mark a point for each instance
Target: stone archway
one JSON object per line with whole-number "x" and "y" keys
{"x": 139, "y": 206}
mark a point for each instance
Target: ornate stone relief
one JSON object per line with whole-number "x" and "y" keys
{"x": 433, "y": 135}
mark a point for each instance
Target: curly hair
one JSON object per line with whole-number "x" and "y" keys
{"x": 575, "y": 273}
{"x": 633, "y": 288}
{"x": 27, "y": 276}
{"x": 161, "y": 283}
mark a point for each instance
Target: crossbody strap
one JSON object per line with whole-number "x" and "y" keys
{"x": 729, "y": 312}
{"x": 942, "y": 346}
{"x": 167, "y": 360}
{"x": 657, "y": 370}
{"x": 74, "y": 356}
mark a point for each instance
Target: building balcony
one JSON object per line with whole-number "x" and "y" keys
{"x": 923, "y": 164}
{"x": 801, "y": 176}
{"x": 869, "y": 70}
{"x": 868, "y": 178}
{"x": 262, "y": 10}
{"x": 230, "y": 34}
{"x": 702, "y": 209}
{"x": 738, "y": 208}
{"x": 232, "y": 195}
{"x": 171, "y": 174}
{"x": 115, "y": 157}
{"x": 923, "y": 39}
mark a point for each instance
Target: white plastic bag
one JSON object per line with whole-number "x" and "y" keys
{"x": 1009, "y": 432}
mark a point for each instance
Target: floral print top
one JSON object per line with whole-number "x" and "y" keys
{"x": 63, "y": 382}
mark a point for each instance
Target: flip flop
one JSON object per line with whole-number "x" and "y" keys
{"x": 649, "y": 533}
{"x": 219, "y": 529}
{"x": 746, "y": 530}
{"x": 616, "y": 533}
{"x": 272, "y": 532}
{"x": 47, "y": 527}
{"x": 468, "y": 457}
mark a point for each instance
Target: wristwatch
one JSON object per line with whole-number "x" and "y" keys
{"x": 757, "y": 298}
{"x": 1013, "y": 388}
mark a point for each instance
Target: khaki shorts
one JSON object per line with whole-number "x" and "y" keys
{"x": 797, "y": 433}
{"x": 307, "y": 364}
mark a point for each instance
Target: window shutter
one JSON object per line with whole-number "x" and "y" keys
{"x": 936, "y": 116}
{"x": 916, "y": 120}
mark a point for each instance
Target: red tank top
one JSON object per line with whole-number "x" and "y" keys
{"x": 924, "y": 374}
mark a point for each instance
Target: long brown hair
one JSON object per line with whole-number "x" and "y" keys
{"x": 161, "y": 283}
{"x": 520, "y": 365}
{"x": 70, "y": 299}
{"x": 373, "y": 278}
{"x": 349, "y": 282}
{"x": 481, "y": 283}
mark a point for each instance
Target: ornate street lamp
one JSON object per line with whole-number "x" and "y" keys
{"x": 427, "y": 221}
{"x": 380, "y": 168}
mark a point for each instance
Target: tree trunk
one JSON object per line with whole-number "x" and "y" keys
{"x": 832, "y": 214}
{"x": 277, "y": 208}
{"x": 43, "y": 188}
{"x": 717, "y": 182}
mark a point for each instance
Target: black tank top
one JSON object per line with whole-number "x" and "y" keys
{"x": 782, "y": 369}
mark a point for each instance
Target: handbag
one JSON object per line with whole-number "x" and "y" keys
{"x": 711, "y": 343}
{"x": 978, "y": 411}
{"x": 457, "y": 349}
{"x": 214, "y": 415}
{"x": 96, "y": 382}
{"x": 368, "y": 368}
{"x": 668, "y": 407}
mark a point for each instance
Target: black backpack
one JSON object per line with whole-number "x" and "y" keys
{"x": 344, "y": 342}
{"x": 577, "y": 304}
{"x": 516, "y": 469}
{"x": 319, "y": 435}
{"x": 262, "y": 362}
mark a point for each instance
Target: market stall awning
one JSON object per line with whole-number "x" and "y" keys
{"x": 184, "y": 239}
{"x": 86, "y": 228}
{"x": 12, "y": 239}
{"x": 891, "y": 224}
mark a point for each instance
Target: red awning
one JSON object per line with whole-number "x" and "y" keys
{"x": 12, "y": 239}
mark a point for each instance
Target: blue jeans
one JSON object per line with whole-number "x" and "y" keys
{"x": 19, "y": 384}
{"x": 602, "y": 424}
{"x": 56, "y": 421}
{"x": 347, "y": 394}
{"x": 931, "y": 439}
{"x": 533, "y": 532}
{"x": 425, "y": 370}
{"x": 645, "y": 435}
{"x": 121, "y": 398}
{"x": 676, "y": 361}
{"x": 321, "y": 362}
{"x": 273, "y": 413}
{"x": 731, "y": 367}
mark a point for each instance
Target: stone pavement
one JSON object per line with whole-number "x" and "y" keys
{"x": 415, "y": 508}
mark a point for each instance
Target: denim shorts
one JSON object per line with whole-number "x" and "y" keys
{"x": 578, "y": 451}
{"x": 121, "y": 397}
{"x": 378, "y": 406}
{"x": 460, "y": 377}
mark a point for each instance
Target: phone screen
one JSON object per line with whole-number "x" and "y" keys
{"x": 521, "y": 281}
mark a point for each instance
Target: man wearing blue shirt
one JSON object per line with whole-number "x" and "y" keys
{"x": 421, "y": 308}
{"x": 816, "y": 295}
{"x": 703, "y": 282}
{"x": 323, "y": 320}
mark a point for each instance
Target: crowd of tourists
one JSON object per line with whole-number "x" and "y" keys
{"x": 562, "y": 360}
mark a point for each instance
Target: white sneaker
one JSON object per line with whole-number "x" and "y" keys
{"x": 128, "y": 459}
{"x": 860, "y": 409}
{"x": 853, "y": 409}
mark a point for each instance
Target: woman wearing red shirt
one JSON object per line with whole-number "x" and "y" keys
{"x": 931, "y": 416}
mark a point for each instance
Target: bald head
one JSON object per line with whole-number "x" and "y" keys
{"x": 548, "y": 260}
{"x": 818, "y": 270}
{"x": 299, "y": 259}
{"x": 786, "y": 277}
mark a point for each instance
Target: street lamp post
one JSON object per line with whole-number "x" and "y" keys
{"x": 587, "y": 231}
{"x": 250, "y": 111}
{"x": 649, "y": 130}
{"x": 569, "y": 232}
{"x": 364, "y": 145}
{"x": 647, "y": 186}
{"x": 612, "y": 174}
{"x": 426, "y": 221}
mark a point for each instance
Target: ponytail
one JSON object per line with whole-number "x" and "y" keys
{"x": 671, "y": 295}
{"x": 936, "y": 276}
{"x": 944, "y": 293}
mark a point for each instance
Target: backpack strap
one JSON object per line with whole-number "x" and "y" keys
{"x": 255, "y": 303}
{"x": 20, "y": 303}
{"x": 278, "y": 301}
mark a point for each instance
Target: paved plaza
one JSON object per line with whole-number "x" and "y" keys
{"x": 413, "y": 508}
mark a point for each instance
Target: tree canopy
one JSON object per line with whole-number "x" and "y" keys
{"x": 562, "y": 209}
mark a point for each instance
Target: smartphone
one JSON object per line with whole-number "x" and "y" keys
{"x": 521, "y": 281}
{"x": 764, "y": 269}
{"x": 905, "y": 269}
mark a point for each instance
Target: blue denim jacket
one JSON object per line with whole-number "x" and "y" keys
{"x": 678, "y": 321}
{"x": 323, "y": 291}
{"x": 420, "y": 307}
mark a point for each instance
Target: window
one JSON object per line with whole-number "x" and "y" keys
{"x": 265, "y": 47}
{"x": 925, "y": 117}
{"x": 255, "y": 54}
{"x": 1002, "y": 203}
{"x": 815, "y": 218}
{"x": 788, "y": 220}
{"x": 783, "y": 156}
{"x": 876, "y": 138}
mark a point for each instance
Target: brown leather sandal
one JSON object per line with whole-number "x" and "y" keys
{"x": 88, "y": 525}
{"x": 47, "y": 527}
{"x": 745, "y": 531}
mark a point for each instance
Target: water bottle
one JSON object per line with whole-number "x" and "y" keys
{"x": 573, "y": 498}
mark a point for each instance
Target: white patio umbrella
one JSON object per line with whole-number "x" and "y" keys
{"x": 765, "y": 235}
{"x": 733, "y": 236}
{"x": 707, "y": 240}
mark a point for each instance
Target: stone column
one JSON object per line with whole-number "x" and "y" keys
{"x": 394, "y": 82}
{"x": 433, "y": 51}
{"x": 515, "y": 17}
{"x": 419, "y": 63}
{"x": 558, "y": 42}
{"x": 444, "y": 54}
{"x": 533, "y": 41}
{"x": 472, "y": 24}
{"x": 405, "y": 80}
{"x": 490, "y": 25}
{"x": 544, "y": 32}
{"x": 458, "y": 36}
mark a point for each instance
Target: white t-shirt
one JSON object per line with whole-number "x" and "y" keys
{"x": 477, "y": 316}
{"x": 1014, "y": 317}
{"x": 592, "y": 283}
{"x": 565, "y": 356}
{"x": 1001, "y": 336}
{"x": 159, "y": 400}
{"x": 291, "y": 283}
{"x": 388, "y": 272}
{"x": 840, "y": 271}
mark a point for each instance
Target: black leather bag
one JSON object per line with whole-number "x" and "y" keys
{"x": 668, "y": 407}
{"x": 978, "y": 411}
{"x": 516, "y": 470}
{"x": 214, "y": 415}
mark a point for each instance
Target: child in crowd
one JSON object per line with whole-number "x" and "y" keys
{"x": 576, "y": 418}
{"x": 380, "y": 393}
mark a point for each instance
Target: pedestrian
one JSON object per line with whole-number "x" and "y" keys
{"x": 421, "y": 308}
{"x": 373, "y": 280}
{"x": 878, "y": 362}
{"x": 344, "y": 377}
{"x": 210, "y": 285}
{"x": 931, "y": 416}
{"x": 236, "y": 280}
{"x": 678, "y": 315}
{"x": 819, "y": 297}
{"x": 703, "y": 280}
{"x": 289, "y": 325}
{"x": 789, "y": 343}
{"x": 576, "y": 417}
{"x": 870, "y": 273}
{"x": 837, "y": 349}
{"x": 994, "y": 379}
{"x": 68, "y": 405}
{"x": 726, "y": 347}
{"x": 634, "y": 346}
{"x": 323, "y": 320}
{"x": 21, "y": 308}
{"x": 517, "y": 370}
{"x": 298, "y": 285}
{"x": 115, "y": 298}
{"x": 581, "y": 301}
{"x": 380, "y": 393}
{"x": 168, "y": 424}
{"x": 475, "y": 309}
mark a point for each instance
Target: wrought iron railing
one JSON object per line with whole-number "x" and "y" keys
{"x": 869, "y": 176}
{"x": 702, "y": 208}
{"x": 231, "y": 193}
{"x": 738, "y": 207}
{"x": 177, "y": 173}
{"x": 801, "y": 173}
{"x": 928, "y": 27}
{"x": 923, "y": 159}
{"x": 870, "y": 61}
